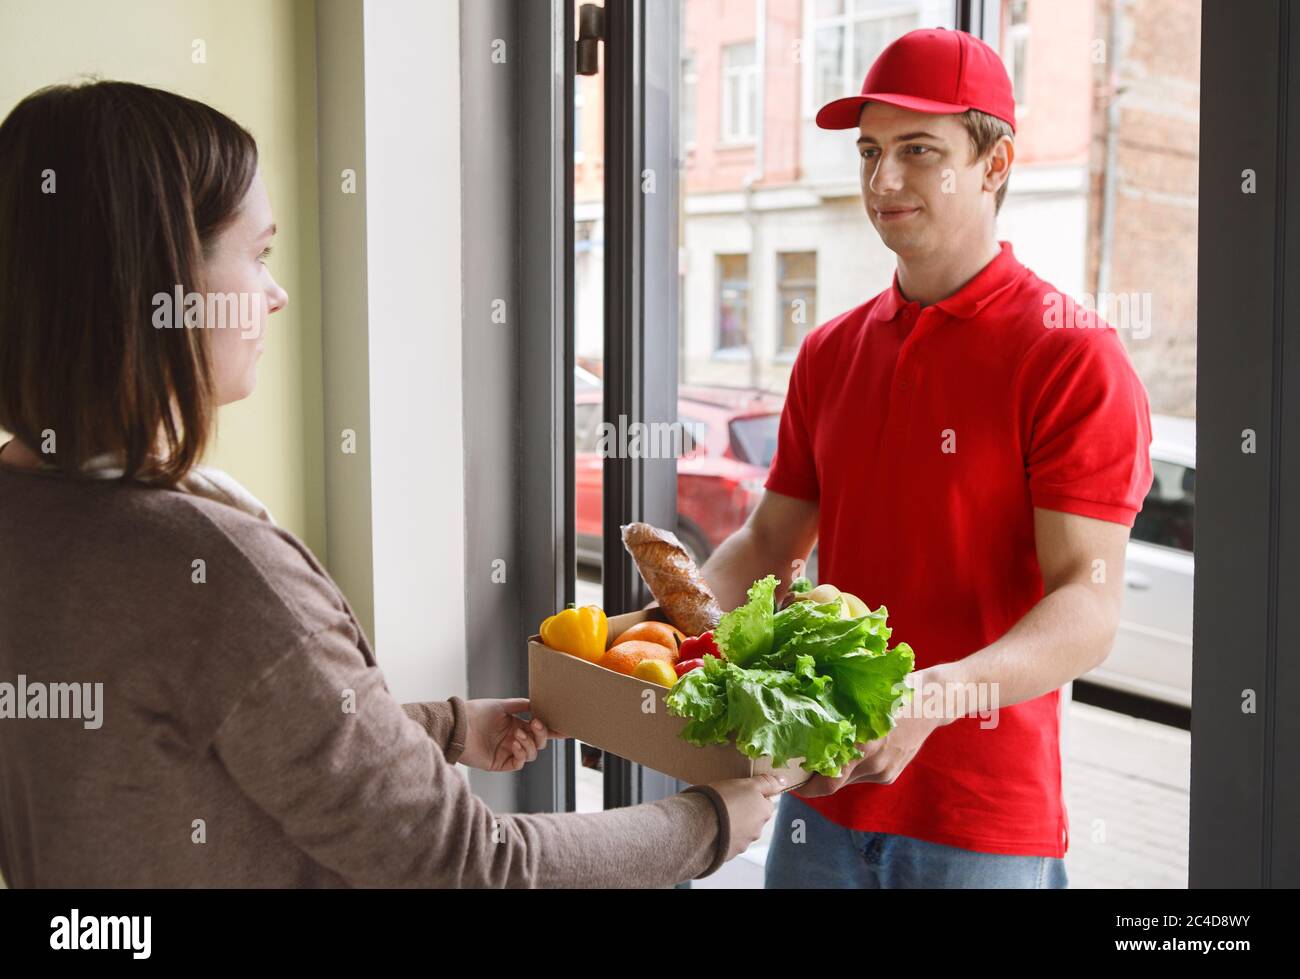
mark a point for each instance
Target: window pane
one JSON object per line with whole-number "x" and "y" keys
{"x": 803, "y": 225}
{"x": 733, "y": 301}
{"x": 739, "y": 75}
{"x": 876, "y": 7}
{"x": 759, "y": 231}
{"x": 589, "y": 370}
{"x": 737, "y": 56}
{"x": 695, "y": 434}
{"x": 754, "y": 438}
{"x": 586, "y": 421}
{"x": 828, "y": 67}
{"x": 1019, "y": 55}
{"x": 577, "y": 127}
{"x": 797, "y": 297}
{"x": 1103, "y": 203}
{"x": 1167, "y": 513}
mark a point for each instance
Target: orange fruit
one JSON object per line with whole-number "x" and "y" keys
{"x": 655, "y": 671}
{"x": 624, "y": 657}
{"x": 656, "y": 632}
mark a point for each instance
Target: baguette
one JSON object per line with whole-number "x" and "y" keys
{"x": 672, "y": 577}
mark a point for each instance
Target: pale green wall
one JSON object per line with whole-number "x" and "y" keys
{"x": 261, "y": 71}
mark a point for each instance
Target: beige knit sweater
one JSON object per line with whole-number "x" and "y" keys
{"x": 246, "y": 736}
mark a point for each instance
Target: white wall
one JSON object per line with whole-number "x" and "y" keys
{"x": 391, "y": 300}
{"x": 412, "y": 56}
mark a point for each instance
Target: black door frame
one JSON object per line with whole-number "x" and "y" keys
{"x": 1245, "y": 796}
{"x": 641, "y": 327}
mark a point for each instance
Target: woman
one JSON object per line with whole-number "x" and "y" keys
{"x": 220, "y": 716}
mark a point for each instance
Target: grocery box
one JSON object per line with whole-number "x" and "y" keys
{"x": 629, "y": 717}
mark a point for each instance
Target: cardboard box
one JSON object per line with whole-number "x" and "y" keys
{"x": 611, "y": 711}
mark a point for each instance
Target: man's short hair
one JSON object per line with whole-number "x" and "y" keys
{"x": 985, "y": 131}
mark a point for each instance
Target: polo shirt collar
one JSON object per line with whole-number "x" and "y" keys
{"x": 983, "y": 288}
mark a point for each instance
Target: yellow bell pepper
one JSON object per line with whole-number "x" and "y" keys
{"x": 578, "y": 631}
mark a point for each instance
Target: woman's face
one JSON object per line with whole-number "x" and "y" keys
{"x": 240, "y": 283}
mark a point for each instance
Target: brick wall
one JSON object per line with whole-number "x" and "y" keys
{"x": 1153, "y": 245}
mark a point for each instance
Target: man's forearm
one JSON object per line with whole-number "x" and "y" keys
{"x": 1070, "y": 631}
{"x": 741, "y": 560}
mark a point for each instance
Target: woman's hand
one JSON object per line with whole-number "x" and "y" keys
{"x": 497, "y": 740}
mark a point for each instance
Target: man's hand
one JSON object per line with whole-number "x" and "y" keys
{"x": 498, "y": 741}
{"x": 883, "y": 760}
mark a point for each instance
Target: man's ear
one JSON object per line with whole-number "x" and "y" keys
{"x": 997, "y": 168}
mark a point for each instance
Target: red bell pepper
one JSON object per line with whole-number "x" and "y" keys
{"x": 697, "y": 647}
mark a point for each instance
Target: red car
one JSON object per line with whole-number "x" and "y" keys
{"x": 719, "y": 476}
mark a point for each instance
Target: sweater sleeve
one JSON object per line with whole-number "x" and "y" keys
{"x": 319, "y": 744}
{"x": 445, "y": 721}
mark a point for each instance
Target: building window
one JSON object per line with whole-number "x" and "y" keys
{"x": 739, "y": 92}
{"x": 690, "y": 79}
{"x": 796, "y": 294}
{"x": 733, "y": 302}
{"x": 847, "y": 36}
{"x": 1017, "y": 49}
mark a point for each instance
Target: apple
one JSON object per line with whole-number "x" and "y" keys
{"x": 822, "y": 595}
{"x": 854, "y": 606}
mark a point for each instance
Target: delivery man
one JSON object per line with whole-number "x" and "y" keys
{"x": 968, "y": 448}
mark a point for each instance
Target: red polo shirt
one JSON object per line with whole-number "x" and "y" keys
{"x": 928, "y": 436}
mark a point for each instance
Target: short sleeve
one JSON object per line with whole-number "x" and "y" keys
{"x": 794, "y": 468}
{"x": 1089, "y": 448}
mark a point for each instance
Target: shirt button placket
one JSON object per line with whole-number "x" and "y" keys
{"x": 896, "y": 422}
{"x": 901, "y": 412}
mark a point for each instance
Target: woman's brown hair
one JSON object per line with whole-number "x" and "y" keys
{"x": 111, "y": 193}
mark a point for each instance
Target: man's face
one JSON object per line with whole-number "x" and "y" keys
{"x": 921, "y": 163}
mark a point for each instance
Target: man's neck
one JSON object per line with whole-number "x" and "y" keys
{"x": 929, "y": 278}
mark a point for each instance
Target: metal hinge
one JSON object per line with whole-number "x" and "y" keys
{"x": 591, "y": 31}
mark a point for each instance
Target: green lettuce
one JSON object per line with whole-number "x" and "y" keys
{"x": 781, "y": 714}
{"x": 800, "y": 615}
{"x": 800, "y": 683}
{"x": 746, "y": 633}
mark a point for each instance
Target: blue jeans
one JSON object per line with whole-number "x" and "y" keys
{"x": 831, "y": 855}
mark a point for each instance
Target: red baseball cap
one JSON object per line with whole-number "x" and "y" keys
{"x": 931, "y": 69}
